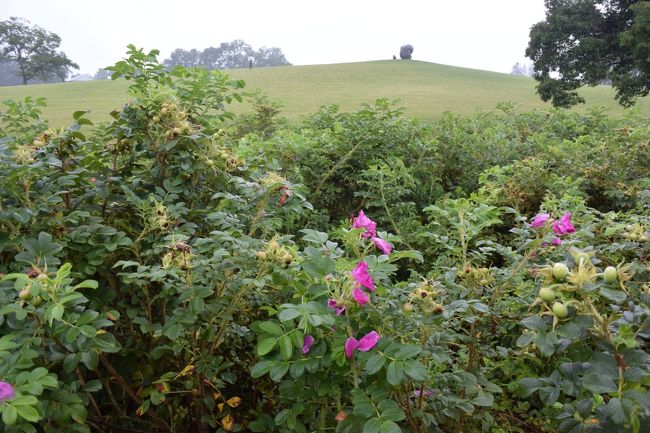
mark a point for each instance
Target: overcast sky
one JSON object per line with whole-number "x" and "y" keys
{"x": 481, "y": 34}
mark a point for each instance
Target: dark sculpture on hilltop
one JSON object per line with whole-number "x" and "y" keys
{"x": 405, "y": 52}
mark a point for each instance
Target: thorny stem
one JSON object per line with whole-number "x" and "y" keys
{"x": 387, "y": 209}
{"x": 515, "y": 271}
{"x": 461, "y": 235}
{"x": 334, "y": 168}
{"x": 129, "y": 391}
{"x": 260, "y": 211}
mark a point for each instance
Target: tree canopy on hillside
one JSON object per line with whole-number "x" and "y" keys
{"x": 33, "y": 50}
{"x": 589, "y": 42}
{"x": 228, "y": 55}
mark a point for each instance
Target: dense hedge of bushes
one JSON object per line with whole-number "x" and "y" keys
{"x": 179, "y": 269}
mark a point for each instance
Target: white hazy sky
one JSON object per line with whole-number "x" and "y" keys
{"x": 480, "y": 34}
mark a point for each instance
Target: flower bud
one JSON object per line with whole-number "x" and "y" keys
{"x": 560, "y": 310}
{"x": 610, "y": 275}
{"x": 547, "y": 294}
{"x": 560, "y": 271}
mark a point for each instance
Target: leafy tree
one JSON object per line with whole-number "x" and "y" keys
{"x": 270, "y": 57}
{"x": 227, "y": 55}
{"x": 102, "y": 74}
{"x": 179, "y": 56}
{"x": 9, "y": 74}
{"x": 589, "y": 42}
{"x": 523, "y": 69}
{"x": 33, "y": 49}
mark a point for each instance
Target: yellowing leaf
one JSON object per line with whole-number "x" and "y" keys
{"x": 227, "y": 423}
{"x": 187, "y": 370}
{"x": 220, "y": 406}
{"x": 234, "y": 402}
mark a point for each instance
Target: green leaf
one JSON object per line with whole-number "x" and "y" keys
{"x": 389, "y": 427}
{"x": 549, "y": 395}
{"x": 272, "y": 328}
{"x": 29, "y": 413}
{"x": 598, "y": 383}
{"x": 24, "y": 400}
{"x": 390, "y": 410}
{"x": 266, "y": 345}
{"x": 278, "y": 371}
{"x": 288, "y": 314}
{"x": 55, "y": 313}
{"x": 395, "y": 373}
{"x": 408, "y": 254}
{"x": 535, "y": 323}
{"x": 375, "y": 363}
{"x": 416, "y": 370}
{"x": 483, "y": 399}
{"x": 37, "y": 373}
{"x": 9, "y": 414}
{"x": 261, "y": 368}
{"x": 616, "y": 296}
{"x": 524, "y": 340}
{"x": 546, "y": 342}
{"x": 77, "y": 114}
{"x": 372, "y": 425}
{"x": 529, "y": 385}
{"x": 286, "y": 347}
{"x": 407, "y": 351}
{"x": 87, "y": 284}
{"x": 614, "y": 411}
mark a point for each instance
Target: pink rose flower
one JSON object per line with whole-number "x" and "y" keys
{"x": 365, "y": 344}
{"x": 564, "y": 226}
{"x": 307, "y": 342}
{"x": 540, "y": 220}
{"x": 363, "y": 222}
{"x": 361, "y": 275}
{"x": 7, "y": 391}
{"x": 384, "y": 246}
{"x": 360, "y": 296}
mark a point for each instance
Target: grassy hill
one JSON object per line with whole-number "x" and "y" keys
{"x": 425, "y": 89}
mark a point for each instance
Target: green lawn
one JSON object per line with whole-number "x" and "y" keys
{"x": 425, "y": 89}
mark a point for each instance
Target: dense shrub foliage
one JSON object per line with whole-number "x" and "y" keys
{"x": 179, "y": 269}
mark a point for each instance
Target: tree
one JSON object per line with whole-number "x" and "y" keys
{"x": 270, "y": 57}
{"x": 179, "y": 56}
{"x": 522, "y": 69}
{"x": 102, "y": 74}
{"x": 227, "y": 55}
{"x": 406, "y": 51}
{"x": 588, "y": 42}
{"x": 33, "y": 49}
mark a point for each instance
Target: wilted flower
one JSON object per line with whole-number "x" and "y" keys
{"x": 540, "y": 220}
{"x": 7, "y": 391}
{"x": 360, "y": 296}
{"x": 364, "y": 344}
{"x": 564, "y": 226}
{"x": 360, "y": 273}
{"x": 307, "y": 342}
{"x": 556, "y": 241}
{"x": 340, "y": 308}
{"x": 363, "y": 222}
{"x": 426, "y": 393}
{"x": 384, "y": 246}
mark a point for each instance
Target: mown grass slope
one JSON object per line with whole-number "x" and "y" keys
{"x": 426, "y": 90}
